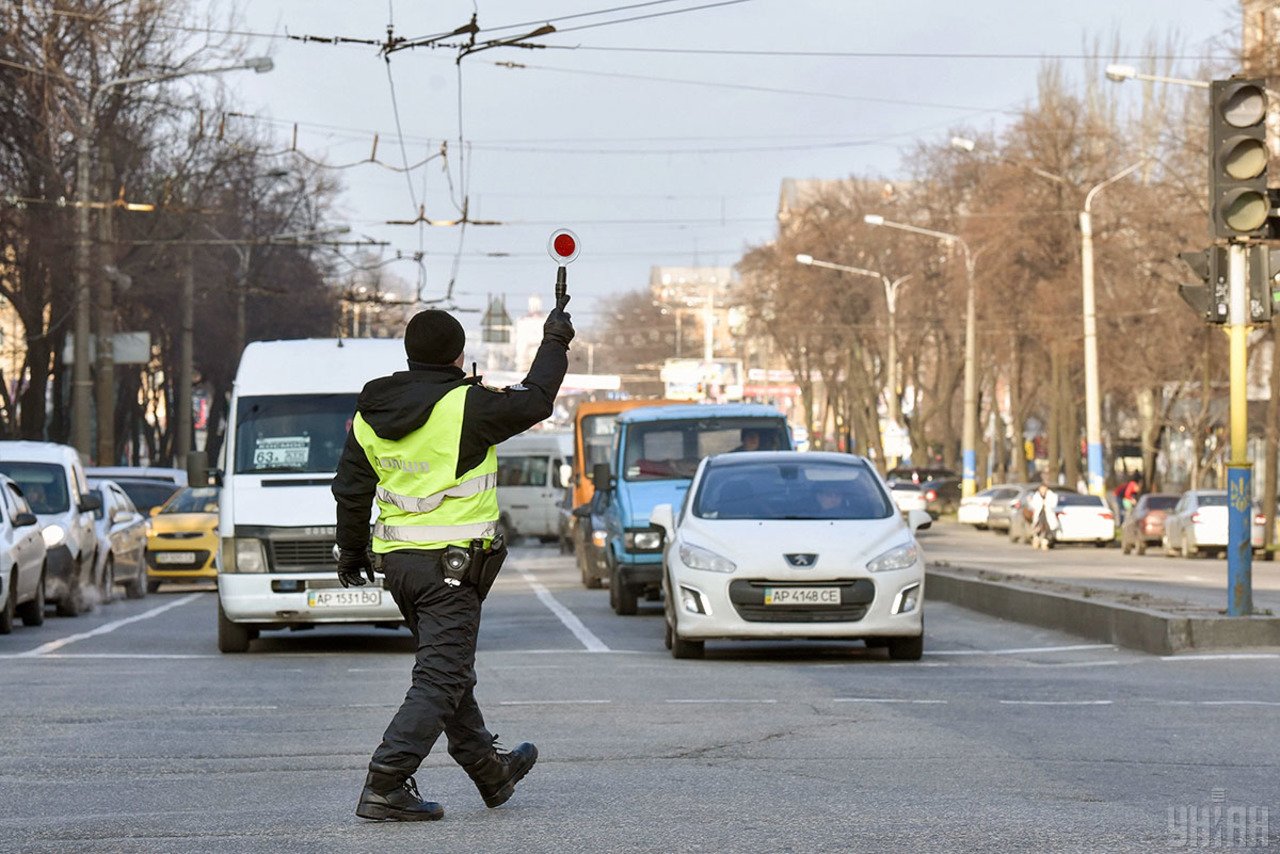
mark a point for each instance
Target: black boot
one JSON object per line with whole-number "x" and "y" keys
{"x": 391, "y": 795}
{"x": 497, "y": 774}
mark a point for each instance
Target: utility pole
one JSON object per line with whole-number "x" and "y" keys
{"x": 81, "y": 384}
{"x": 186, "y": 357}
{"x": 104, "y": 369}
{"x": 1239, "y": 470}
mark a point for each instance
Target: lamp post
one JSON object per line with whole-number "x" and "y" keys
{"x": 1092, "y": 393}
{"x": 81, "y": 383}
{"x": 1121, "y": 73}
{"x": 892, "y": 402}
{"x": 969, "y": 436}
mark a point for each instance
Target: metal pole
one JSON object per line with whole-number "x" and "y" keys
{"x": 708, "y": 341}
{"x": 186, "y": 357}
{"x": 891, "y": 371}
{"x": 969, "y": 439}
{"x": 1092, "y": 404}
{"x": 242, "y": 295}
{"x": 81, "y": 384}
{"x": 1239, "y": 471}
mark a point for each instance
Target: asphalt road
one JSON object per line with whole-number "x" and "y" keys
{"x": 125, "y": 730}
{"x": 1200, "y": 581}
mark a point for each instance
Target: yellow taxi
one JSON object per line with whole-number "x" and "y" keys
{"x": 182, "y": 537}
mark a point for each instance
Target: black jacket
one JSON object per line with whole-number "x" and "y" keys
{"x": 397, "y": 405}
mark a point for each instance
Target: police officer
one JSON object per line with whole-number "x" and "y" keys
{"x": 421, "y": 446}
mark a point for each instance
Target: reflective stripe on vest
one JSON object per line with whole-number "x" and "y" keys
{"x": 434, "y": 533}
{"x": 425, "y": 505}
{"x": 423, "y": 502}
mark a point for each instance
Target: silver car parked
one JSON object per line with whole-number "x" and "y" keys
{"x": 22, "y": 560}
{"x": 122, "y": 542}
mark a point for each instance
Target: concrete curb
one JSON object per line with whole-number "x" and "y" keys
{"x": 1062, "y": 607}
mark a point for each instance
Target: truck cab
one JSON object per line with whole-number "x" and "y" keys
{"x": 655, "y": 455}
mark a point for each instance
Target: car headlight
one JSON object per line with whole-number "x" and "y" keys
{"x": 696, "y": 557}
{"x": 243, "y": 554}
{"x": 646, "y": 540}
{"x": 899, "y": 557}
{"x": 54, "y": 535}
{"x": 599, "y": 538}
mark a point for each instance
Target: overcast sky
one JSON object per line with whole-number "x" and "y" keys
{"x": 654, "y": 158}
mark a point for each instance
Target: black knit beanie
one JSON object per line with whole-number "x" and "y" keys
{"x": 434, "y": 337}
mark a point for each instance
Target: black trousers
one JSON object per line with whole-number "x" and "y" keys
{"x": 444, "y": 621}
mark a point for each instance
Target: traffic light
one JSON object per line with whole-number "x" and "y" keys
{"x": 1209, "y": 298}
{"x": 1238, "y": 201}
{"x": 1262, "y": 272}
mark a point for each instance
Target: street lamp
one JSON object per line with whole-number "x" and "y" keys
{"x": 1121, "y": 73}
{"x": 891, "y": 302}
{"x": 969, "y": 436}
{"x": 1092, "y": 393}
{"x": 82, "y": 384}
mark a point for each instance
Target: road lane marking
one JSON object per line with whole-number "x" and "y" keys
{"x": 554, "y": 702}
{"x": 105, "y": 628}
{"x": 66, "y": 656}
{"x": 888, "y": 700}
{"x": 1221, "y": 657}
{"x": 1023, "y": 650}
{"x": 764, "y": 702}
{"x": 1056, "y": 702}
{"x": 570, "y": 619}
{"x": 1238, "y": 703}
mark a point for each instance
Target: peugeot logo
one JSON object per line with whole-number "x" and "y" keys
{"x": 801, "y": 561}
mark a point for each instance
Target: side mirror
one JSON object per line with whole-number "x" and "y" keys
{"x": 121, "y": 514}
{"x": 90, "y": 503}
{"x": 24, "y": 520}
{"x": 154, "y": 510}
{"x": 582, "y": 511}
{"x": 602, "y": 477}
{"x": 664, "y": 517}
{"x": 919, "y": 520}
{"x": 566, "y": 475}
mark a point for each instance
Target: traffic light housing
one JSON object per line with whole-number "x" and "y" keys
{"x": 1209, "y": 299}
{"x": 1239, "y": 205}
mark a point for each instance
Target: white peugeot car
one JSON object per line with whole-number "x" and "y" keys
{"x": 772, "y": 545}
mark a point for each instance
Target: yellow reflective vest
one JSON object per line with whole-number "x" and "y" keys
{"x": 422, "y": 502}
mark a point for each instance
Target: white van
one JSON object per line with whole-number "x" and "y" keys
{"x": 52, "y": 480}
{"x": 532, "y": 477}
{"x": 291, "y": 408}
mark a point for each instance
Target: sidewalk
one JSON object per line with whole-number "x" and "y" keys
{"x": 1158, "y": 604}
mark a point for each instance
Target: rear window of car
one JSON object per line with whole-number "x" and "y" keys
{"x": 903, "y": 486}
{"x": 147, "y": 494}
{"x": 43, "y": 484}
{"x": 1071, "y": 499}
{"x": 199, "y": 499}
{"x": 1161, "y": 502}
{"x": 1213, "y": 499}
{"x": 791, "y": 490}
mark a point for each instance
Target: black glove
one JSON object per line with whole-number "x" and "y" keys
{"x": 353, "y": 564}
{"x": 559, "y": 326}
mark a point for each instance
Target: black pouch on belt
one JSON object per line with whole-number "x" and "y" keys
{"x": 486, "y": 563}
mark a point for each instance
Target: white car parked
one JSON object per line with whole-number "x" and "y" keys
{"x": 975, "y": 509}
{"x": 1085, "y": 519}
{"x": 772, "y": 545}
{"x": 1199, "y": 522}
{"x": 22, "y": 560}
{"x": 908, "y": 496}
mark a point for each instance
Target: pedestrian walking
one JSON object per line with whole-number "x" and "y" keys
{"x": 421, "y": 447}
{"x": 1043, "y": 504}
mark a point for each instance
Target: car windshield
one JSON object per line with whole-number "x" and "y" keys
{"x": 195, "y": 499}
{"x": 670, "y": 450}
{"x": 43, "y": 484}
{"x": 1161, "y": 502}
{"x": 799, "y": 489}
{"x": 294, "y": 433}
{"x": 1204, "y": 499}
{"x": 146, "y": 494}
{"x": 522, "y": 471}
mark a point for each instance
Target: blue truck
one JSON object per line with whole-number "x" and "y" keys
{"x": 655, "y": 455}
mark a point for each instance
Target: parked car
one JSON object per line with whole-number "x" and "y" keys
{"x": 976, "y": 509}
{"x": 146, "y": 486}
{"x": 1001, "y": 510}
{"x": 941, "y": 495}
{"x": 1020, "y": 522}
{"x": 566, "y": 522}
{"x": 22, "y": 560}
{"x": 122, "y": 542}
{"x": 1198, "y": 523}
{"x": 53, "y": 483}
{"x": 1144, "y": 526}
{"x": 907, "y": 496}
{"x": 182, "y": 539}
{"x": 784, "y": 545}
{"x": 1085, "y": 519}
{"x": 919, "y": 474}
